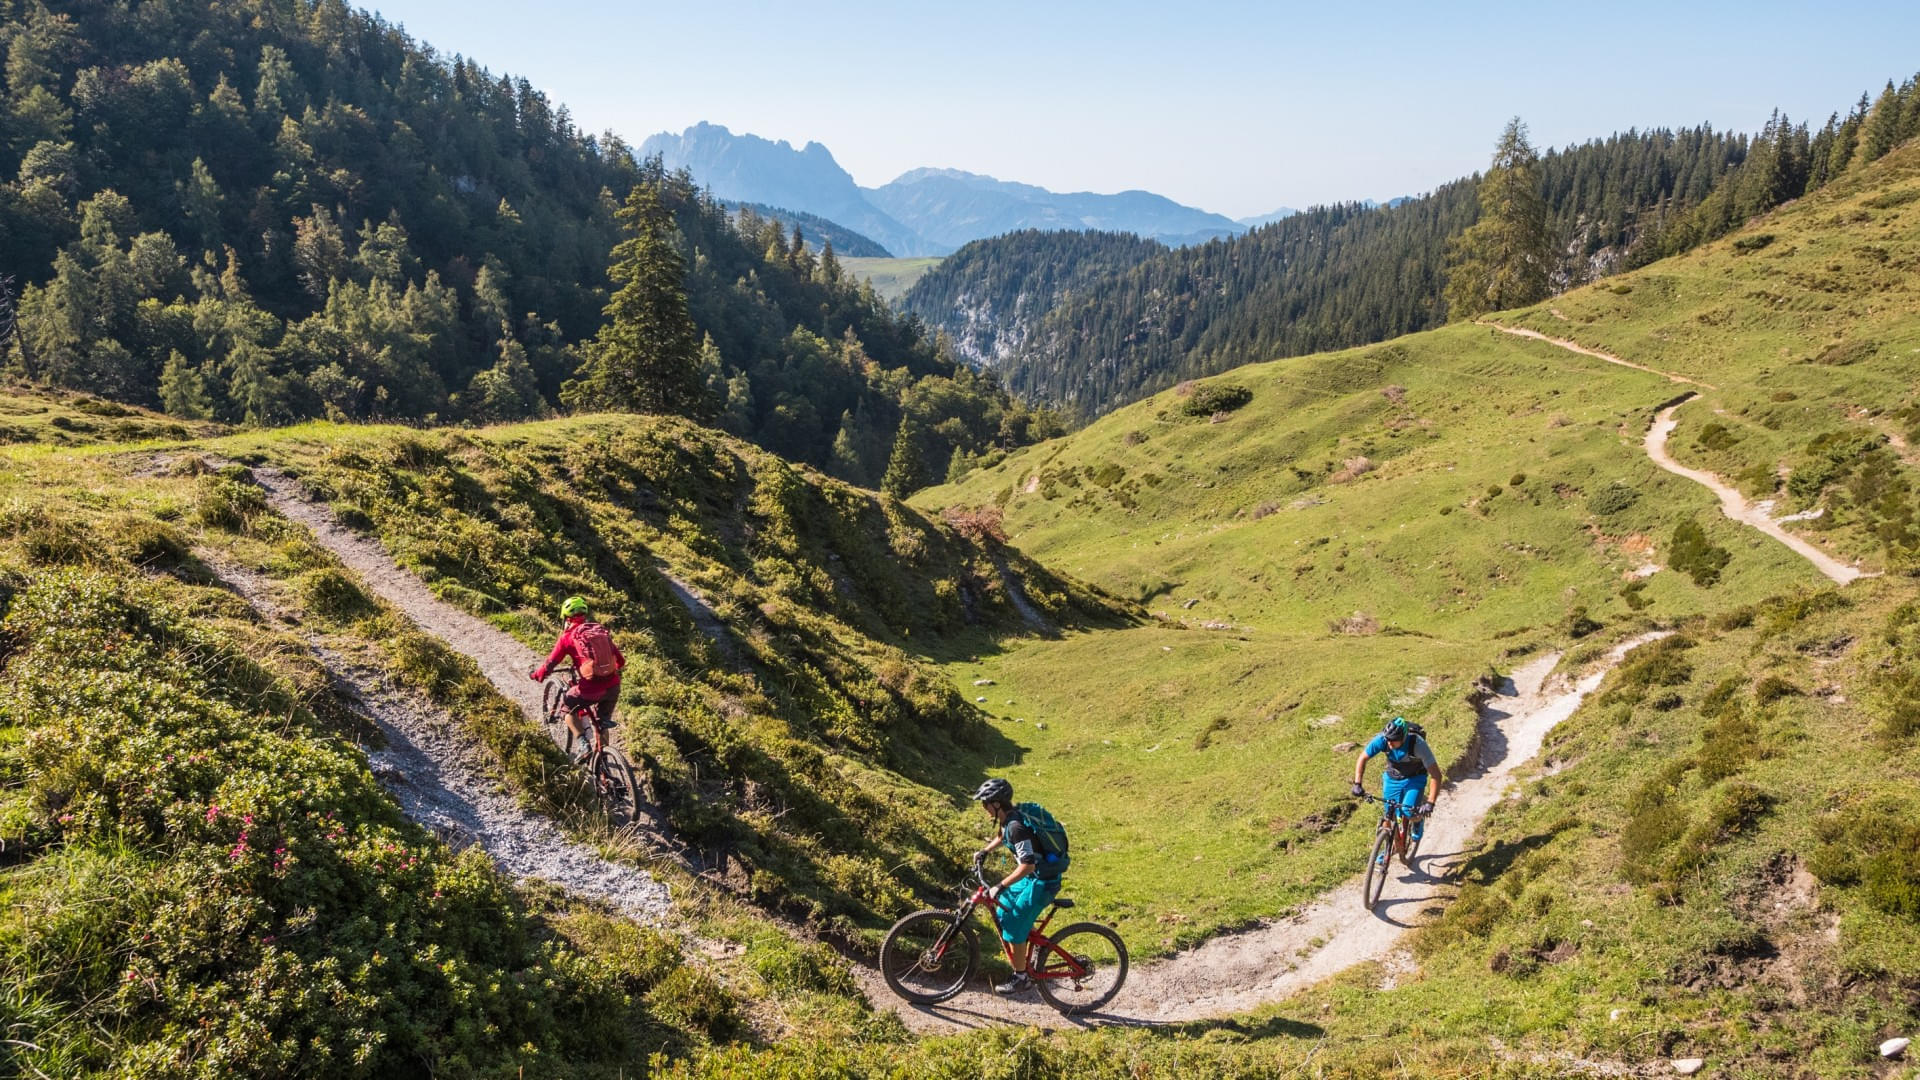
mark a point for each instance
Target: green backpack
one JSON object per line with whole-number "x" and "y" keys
{"x": 1049, "y": 838}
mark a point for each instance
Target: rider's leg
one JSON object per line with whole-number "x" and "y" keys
{"x": 570, "y": 706}
{"x": 1020, "y": 905}
{"x": 1405, "y": 795}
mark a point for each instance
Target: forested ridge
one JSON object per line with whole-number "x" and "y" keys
{"x": 1344, "y": 275}
{"x": 265, "y": 210}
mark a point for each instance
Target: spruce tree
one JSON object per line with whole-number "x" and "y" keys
{"x": 906, "y": 469}
{"x": 1504, "y": 260}
{"x": 183, "y": 390}
{"x": 646, "y": 358}
{"x": 1883, "y": 125}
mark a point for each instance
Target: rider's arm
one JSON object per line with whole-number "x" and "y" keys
{"x": 1020, "y": 841}
{"x": 1020, "y": 870}
{"x": 1374, "y": 746}
{"x": 560, "y": 651}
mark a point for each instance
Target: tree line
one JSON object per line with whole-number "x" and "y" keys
{"x": 1089, "y": 322}
{"x": 267, "y": 210}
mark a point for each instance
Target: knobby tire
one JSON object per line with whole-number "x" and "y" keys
{"x": 616, "y": 787}
{"x": 907, "y": 945}
{"x": 1097, "y": 948}
{"x": 1377, "y": 867}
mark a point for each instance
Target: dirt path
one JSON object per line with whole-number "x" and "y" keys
{"x": 1574, "y": 346}
{"x": 442, "y": 780}
{"x": 1735, "y": 505}
{"x": 1237, "y": 972}
{"x": 501, "y": 658}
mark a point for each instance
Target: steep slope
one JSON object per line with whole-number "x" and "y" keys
{"x": 799, "y": 745}
{"x": 953, "y": 207}
{"x": 748, "y": 168}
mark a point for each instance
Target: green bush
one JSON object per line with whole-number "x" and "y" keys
{"x": 692, "y": 999}
{"x": 1210, "y": 398}
{"x": 229, "y": 500}
{"x": 331, "y": 594}
{"x": 1612, "y": 499}
{"x": 1873, "y": 845}
{"x": 1691, "y": 554}
{"x": 1746, "y": 245}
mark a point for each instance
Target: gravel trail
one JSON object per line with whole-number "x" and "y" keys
{"x": 1735, "y": 505}
{"x": 1233, "y": 973}
{"x": 501, "y": 658}
{"x": 1574, "y": 346}
{"x": 442, "y": 780}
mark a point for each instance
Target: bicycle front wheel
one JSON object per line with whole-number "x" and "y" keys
{"x": 616, "y": 788}
{"x": 928, "y": 956}
{"x": 1376, "y": 882}
{"x": 1081, "y": 969}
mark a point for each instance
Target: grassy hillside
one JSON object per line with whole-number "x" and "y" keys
{"x": 201, "y": 876}
{"x": 810, "y": 754}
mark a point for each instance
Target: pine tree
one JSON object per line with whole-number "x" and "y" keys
{"x": 906, "y": 469}
{"x": 646, "y": 358}
{"x": 846, "y": 462}
{"x": 1504, "y": 260}
{"x": 1882, "y": 131}
{"x": 183, "y": 390}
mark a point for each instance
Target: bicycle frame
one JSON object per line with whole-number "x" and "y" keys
{"x": 1395, "y": 816}
{"x": 1036, "y": 938}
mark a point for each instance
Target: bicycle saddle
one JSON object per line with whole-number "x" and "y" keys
{"x": 1062, "y": 902}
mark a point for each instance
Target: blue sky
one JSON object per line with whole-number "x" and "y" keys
{"x": 1234, "y": 107}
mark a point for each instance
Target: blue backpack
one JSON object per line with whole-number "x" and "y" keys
{"x": 1049, "y": 838}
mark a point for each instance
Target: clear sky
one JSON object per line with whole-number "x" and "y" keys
{"x": 1233, "y": 107}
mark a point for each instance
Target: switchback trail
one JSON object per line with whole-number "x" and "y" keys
{"x": 1574, "y": 346}
{"x": 1732, "y": 503}
{"x": 440, "y": 778}
{"x": 1735, "y": 505}
{"x": 1237, "y": 972}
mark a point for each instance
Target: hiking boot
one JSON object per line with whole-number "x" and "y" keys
{"x": 1019, "y": 984}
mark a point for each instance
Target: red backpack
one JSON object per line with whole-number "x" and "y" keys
{"x": 594, "y": 646}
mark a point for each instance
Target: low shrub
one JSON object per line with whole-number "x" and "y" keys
{"x": 1612, "y": 499}
{"x": 1746, "y": 245}
{"x": 1691, "y": 554}
{"x": 1874, "y": 846}
{"x": 1211, "y": 398}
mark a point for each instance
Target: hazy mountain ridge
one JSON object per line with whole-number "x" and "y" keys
{"x": 923, "y": 211}
{"x": 749, "y": 169}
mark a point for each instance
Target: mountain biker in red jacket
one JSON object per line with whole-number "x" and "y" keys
{"x": 594, "y": 655}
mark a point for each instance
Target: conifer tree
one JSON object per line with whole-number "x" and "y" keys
{"x": 646, "y": 358}
{"x": 906, "y": 469}
{"x": 183, "y": 390}
{"x": 1503, "y": 261}
{"x": 1882, "y": 131}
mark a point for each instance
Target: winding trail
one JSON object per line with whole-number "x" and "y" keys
{"x": 1735, "y": 505}
{"x": 501, "y": 658}
{"x": 441, "y": 779}
{"x": 1732, "y": 503}
{"x": 1574, "y": 346}
{"x": 1237, "y": 972}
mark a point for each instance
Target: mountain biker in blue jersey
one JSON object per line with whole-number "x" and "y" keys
{"x": 1412, "y": 780}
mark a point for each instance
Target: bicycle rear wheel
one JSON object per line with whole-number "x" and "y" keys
{"x": 1376, "y": 882}
{"x": 1100, "y": 958}
{"x": 614, "y": 785}
{"x": 928, "y": 956}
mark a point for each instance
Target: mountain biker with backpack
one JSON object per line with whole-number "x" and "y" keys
{"x": 1412, "y": 779}
{"x": 594, "y": 656}
{"x": 1039, "y": 847}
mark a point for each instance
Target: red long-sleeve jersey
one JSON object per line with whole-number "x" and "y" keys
{"x": 585, "y": 689}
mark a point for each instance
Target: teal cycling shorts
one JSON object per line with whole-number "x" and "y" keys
{"x": 1020, "y": 905}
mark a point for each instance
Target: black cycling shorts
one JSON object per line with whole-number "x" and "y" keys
{"x": 603, "y": 708}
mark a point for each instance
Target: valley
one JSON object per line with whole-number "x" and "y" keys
{"x": 332, "y": 366}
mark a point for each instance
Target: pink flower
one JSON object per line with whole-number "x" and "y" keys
{"x": 213, "y": 811}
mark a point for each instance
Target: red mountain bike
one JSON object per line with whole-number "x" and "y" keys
{"x": 928, "y": 956}
{"x": 1393, "y": 836}
{"x": 605, "y": 770}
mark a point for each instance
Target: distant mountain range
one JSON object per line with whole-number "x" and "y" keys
{"x": 924, "y": 211}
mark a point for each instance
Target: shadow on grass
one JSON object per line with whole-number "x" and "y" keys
{"x": 1483, "y": 868}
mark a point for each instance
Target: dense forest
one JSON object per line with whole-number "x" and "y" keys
{"x": 264, "y": 210}
{"x": 1343, "y": 275}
